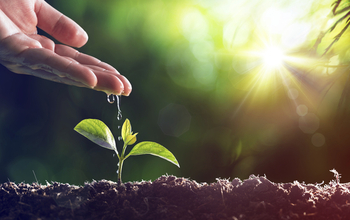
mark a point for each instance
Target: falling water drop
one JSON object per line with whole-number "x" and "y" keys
{"x": 110, "y": 98}
{"x": 119, "y": 115}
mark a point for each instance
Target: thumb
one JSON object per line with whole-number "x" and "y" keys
{"x": 60, "y": 26}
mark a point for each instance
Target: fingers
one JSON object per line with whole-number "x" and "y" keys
{"x": 36, "y": 56}
{"x": 102, "y": 71}
{"x": 64, "y": 50}
{"x": 45, "y": 59}
{"x": 60, "y": 26}
{"x": 44, "y": 63}
{"x": 44, "y": 74}
{"x": 69, "y": 70}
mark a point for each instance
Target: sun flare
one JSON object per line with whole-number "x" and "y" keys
{"x": 272, "y": 57}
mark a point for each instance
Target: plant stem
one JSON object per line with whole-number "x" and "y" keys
{"x": 120, "y": 166}
{"x": 124, "y": 148}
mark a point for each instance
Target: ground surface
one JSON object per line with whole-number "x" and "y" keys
{"x": 170, "y": 197}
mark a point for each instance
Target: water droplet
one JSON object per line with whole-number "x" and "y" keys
{"x": 119, "y": 138}
{"x": 113, "y": 155}
{"x": 110, "y": 98}
{"x": 114, "y": 98}
{"x": 119, "y": 126}
{"x": 119, "y": 115}
{"x": 117, "y": 171}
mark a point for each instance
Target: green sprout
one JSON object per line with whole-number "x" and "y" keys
{"x": 98, "y": 132}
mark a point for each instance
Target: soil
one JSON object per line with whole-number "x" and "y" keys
{"x": 170, "y": 197}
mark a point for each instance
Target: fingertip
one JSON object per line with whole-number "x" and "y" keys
{"x": 81, "y": 37}
{"x": 91, "y": 80}
{"x": 75, "y": 37}
{"x": 127, "y": 93}
{"x": 117, "y": 86}
{"x": 108, "y": 83}
{"x": 127, "y": 85}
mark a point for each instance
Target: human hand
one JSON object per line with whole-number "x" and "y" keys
{"x": 23, "y": 51}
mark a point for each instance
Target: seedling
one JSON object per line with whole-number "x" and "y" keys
{"x": 98, "y": 132}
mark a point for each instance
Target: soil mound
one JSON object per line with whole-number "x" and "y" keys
{"x": 170, "y": 197}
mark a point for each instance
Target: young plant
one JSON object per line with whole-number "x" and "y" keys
{"x": 98, "y": 132}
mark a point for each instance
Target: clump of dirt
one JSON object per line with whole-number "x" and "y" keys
{"x": 170, "y": 197}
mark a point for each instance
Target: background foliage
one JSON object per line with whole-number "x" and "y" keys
{"x": 200, "y": 88}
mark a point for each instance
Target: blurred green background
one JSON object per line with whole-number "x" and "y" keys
{"x": 203, "y": 86}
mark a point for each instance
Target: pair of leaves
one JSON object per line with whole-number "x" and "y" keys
{"x": 98, "y": 132}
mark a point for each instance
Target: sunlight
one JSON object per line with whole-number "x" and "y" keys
{"x": 259, "y": 48}
{"x": 272, "y": 57}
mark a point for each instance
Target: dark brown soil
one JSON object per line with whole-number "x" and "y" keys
{"x": 170, "y": 197}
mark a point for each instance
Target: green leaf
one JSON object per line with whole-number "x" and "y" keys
{"x": 148, "y": 147}
{"x": 131, "y": 139}
{"x": 126, "y": 129}
{"x": 97, "y": 132}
